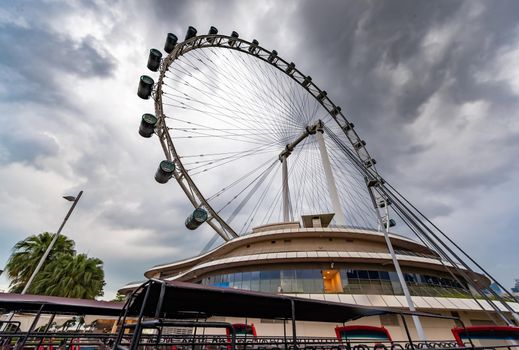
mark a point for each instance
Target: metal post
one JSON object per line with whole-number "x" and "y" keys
{"x": 468, "y": 334}
{"x": 49, "y": 324}
{"x": 286, "y": 196}
{"x": 51, "y": 245}
{"x": 161, "y": 299}
{"x": 31, "y": 328}
{"x": 245, "y": 338}
{"x": 233, "y": 337}
{"x": 294, "y": 335}
{"x": 121, "y": 321}
{"x": 407, "y": 332}
{"x": 194, "y": 334}
{"x": 410, "y": 304}
{"x": 138, "y": 327}
{"x": 330, "y": 181}
{"x": 285, "y": 333}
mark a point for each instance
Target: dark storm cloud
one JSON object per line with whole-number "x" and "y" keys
{"x": 33, "y": 58}
{"x": 359, "y": 40}
{"x": 26, "y": 147}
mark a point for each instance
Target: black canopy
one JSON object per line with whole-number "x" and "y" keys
{"x": 188, "y": 300}
{"x": 33, "y": 303}
{"x": 181, "y": 300}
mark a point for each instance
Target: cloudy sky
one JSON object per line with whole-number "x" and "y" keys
{"x": 433, "y": 86}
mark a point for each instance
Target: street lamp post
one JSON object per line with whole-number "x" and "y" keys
{"x": 51, "y": 245}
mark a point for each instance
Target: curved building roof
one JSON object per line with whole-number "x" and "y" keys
{"x": 288, "y": 243}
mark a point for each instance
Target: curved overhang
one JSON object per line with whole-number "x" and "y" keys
{"x": 329, "y": 232}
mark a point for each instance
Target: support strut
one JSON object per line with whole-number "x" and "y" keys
{"x": 314, "y": 129}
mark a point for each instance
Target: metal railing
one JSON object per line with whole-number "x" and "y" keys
{"x": 158, "y": 341}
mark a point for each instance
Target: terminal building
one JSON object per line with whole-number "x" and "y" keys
{"x": 312, "y": 259}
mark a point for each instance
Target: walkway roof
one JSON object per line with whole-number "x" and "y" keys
{"x": 183, "y": 300}
{"x": 33, "y": 303}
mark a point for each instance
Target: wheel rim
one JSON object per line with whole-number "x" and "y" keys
{"x": 196, "y": 50}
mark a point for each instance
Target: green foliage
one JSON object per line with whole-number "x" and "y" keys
{"x": 69, "y": 276}
{"x": 63, "y": 274}
{"x": 27, "y": 253}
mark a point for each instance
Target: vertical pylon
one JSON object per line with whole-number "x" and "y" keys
{"x": 286, "y": 193}
{"x": 330, "y": 180}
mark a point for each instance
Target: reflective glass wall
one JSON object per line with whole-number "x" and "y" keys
{"x": 345, "y": 281}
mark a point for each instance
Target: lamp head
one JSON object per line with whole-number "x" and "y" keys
{"x": 70, "y": 198}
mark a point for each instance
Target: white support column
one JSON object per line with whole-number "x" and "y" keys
{"x": 286, "y": 193}
{"x": 330, "y": 181}
{"x": 410, "y": 304}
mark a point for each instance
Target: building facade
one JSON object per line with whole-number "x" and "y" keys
{"x": 348, "y": 265}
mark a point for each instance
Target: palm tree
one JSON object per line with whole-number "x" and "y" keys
{"x": 27, "y": 253}
{"x": 71, "y": 276}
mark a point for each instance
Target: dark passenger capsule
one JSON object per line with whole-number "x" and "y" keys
{"x": 370, "y": 162}
{"x": 272, "y": 56}
{"x": 359, "y": 144}
{"x": 290, "y": 68}
{"x": 154, "y": 60}
{"x": 171, "y": 41}
{"x": 348, "y": 127}
{"x": 322, "y": 95}
{"x": 191, "y": 33}
{"x": 197, "y": 218}
{"x": 145, "y": 87}
{"x": 212, "y": 31}
{"x": 254, "y": 46}
{"x": 392, "y": 223}
{"x": 307, "y": 81}
{"x": 147, "y": 127}
{"x": 165, "y": 171}
{"x": 232, "y": 41}
{"x": 382, "y": 202}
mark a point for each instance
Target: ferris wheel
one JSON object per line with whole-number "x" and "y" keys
{"x": 251, "y": 139}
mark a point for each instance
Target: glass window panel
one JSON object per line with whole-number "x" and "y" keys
{"x": 255, "y": 281}
{"x": 344, "y": 278}
{"x": 237, "y": 280}
{"x": 305, "y": 274}
{"x": 272, "y": 274}
{"x": 363, "y": 274}
{"x": 308, "y": 285}
{"x": 288, "y": 274}
{"x": 318, "y": 284}
{"x": 264, "y": 285}
{"x": 233, "y": 277}
{"x": 246, "y": 284}
{"x": 246, "y": 276}
{"x": 373, "y": 275}
{"x": 255, "y": 276}
{"x": 288, "y": 281}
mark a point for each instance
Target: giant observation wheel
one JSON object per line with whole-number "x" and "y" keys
{"x": 253, "y": 140}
